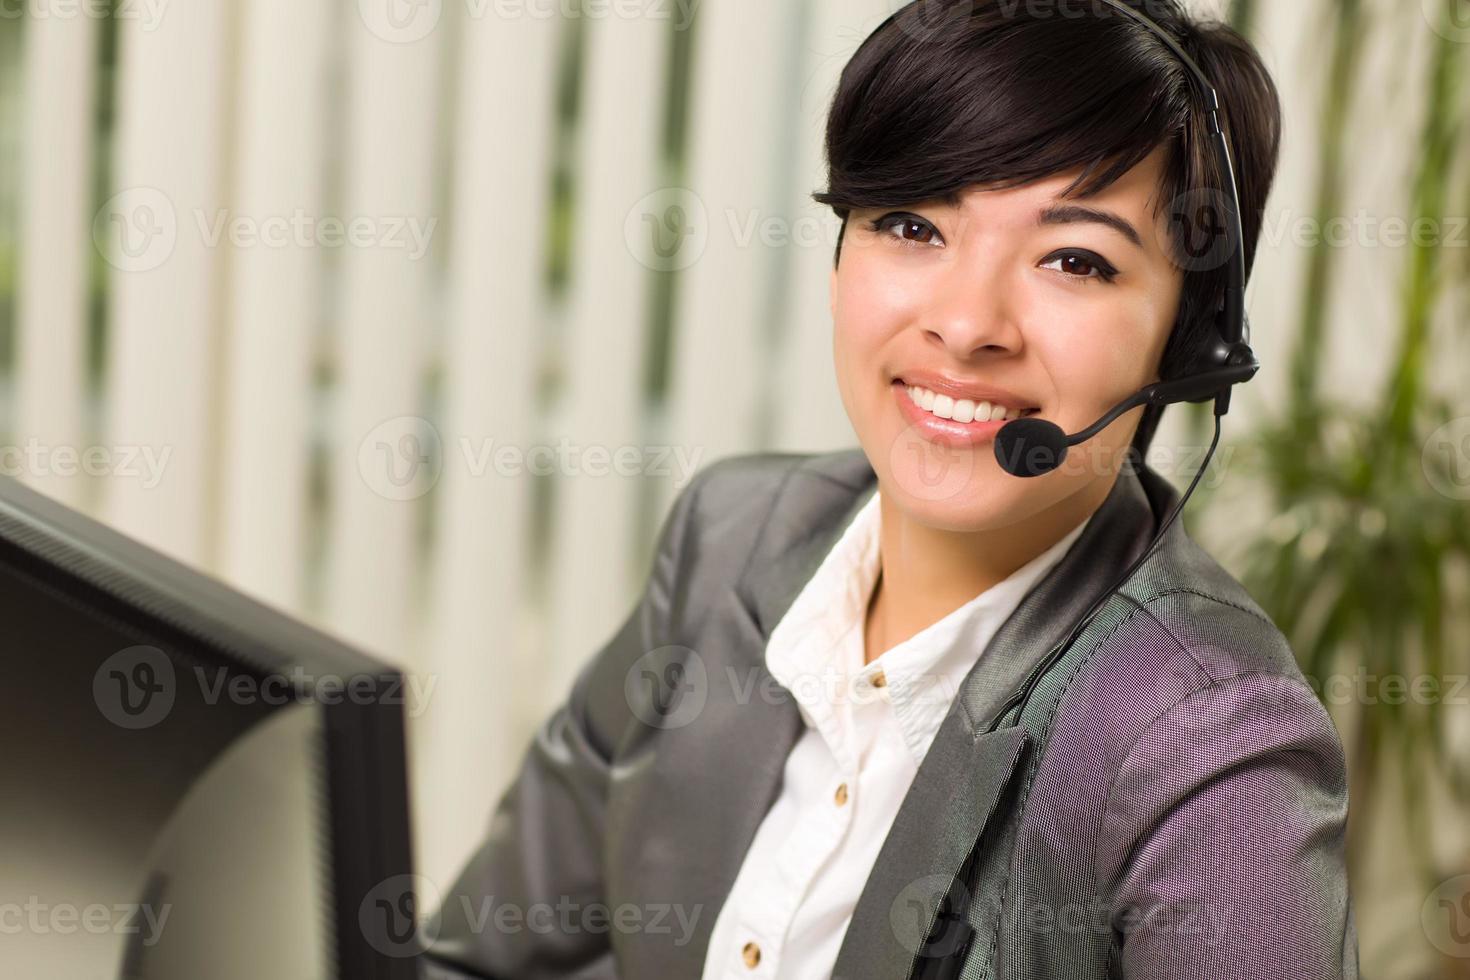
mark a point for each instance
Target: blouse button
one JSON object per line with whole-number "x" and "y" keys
{"x": 751, "y": 953}
{"x": 879, "y": 680}
{"x": 841, "y": 795}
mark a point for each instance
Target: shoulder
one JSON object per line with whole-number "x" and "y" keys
{"x": 1185, "y": 652}
{"x": 761, "y": 500}
{"x": 745, "y": 509}
{"x": 1199, "y": 611}
{"x": 1195, "y": 678}
{"x": 1193, "y": 719}
{"x": 762, "y": 479}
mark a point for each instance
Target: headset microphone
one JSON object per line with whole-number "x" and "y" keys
{"x": 1032, "y": 446}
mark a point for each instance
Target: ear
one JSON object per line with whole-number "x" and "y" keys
{"x": 832, "y": 294}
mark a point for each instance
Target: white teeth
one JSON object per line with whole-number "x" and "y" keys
{"x": 963, "y": 410}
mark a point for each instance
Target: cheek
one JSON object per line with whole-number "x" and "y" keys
{"x": 869, "y": 312}
{"x": 1094, "y": 364}
{"x": 871, "y": 302}
{"x": 1100, "y": 357}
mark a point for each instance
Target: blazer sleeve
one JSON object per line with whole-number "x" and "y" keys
{"x": 1222, "y": 852}
{"x": 545, "y": 840}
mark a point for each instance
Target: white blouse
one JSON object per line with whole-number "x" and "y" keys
{"x": 867, "y": 729}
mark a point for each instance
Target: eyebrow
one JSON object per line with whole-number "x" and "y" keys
{"x": 1067, "y": 214}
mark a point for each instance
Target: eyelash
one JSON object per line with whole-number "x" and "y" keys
{"x": 1106, "y": 272}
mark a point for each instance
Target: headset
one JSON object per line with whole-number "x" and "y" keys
{"x": 1031, "y": 446}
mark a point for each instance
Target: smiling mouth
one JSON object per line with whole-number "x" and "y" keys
{"x": 964, "y": 409}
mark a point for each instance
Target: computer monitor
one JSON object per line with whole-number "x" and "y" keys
{"x": 194, "y": 784}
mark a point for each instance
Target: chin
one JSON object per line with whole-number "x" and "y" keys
{"x": 954, "y": 489}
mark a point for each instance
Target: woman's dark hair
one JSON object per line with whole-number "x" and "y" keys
{"x": 950, "y": 93}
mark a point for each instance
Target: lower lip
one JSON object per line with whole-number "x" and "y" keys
{"x": 945, "y": 432}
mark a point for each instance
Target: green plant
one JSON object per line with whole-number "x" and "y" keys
{"x": 1358, "y": 565}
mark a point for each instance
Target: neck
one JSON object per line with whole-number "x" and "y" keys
{"x": 926, "y": 573}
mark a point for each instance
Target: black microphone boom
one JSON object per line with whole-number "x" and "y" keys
{"x": 1032, "y": 446}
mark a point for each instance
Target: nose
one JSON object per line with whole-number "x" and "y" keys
{"x": 970, "y": 315}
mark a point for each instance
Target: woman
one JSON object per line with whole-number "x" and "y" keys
{"x": 780, "y": 764}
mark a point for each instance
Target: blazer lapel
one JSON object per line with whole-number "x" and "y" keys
{"x": 712, "y": 848}
{"x": 965, "y": 773}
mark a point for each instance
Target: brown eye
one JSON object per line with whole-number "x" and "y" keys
{"x": 1082, "y": 265}
{"x": 910, "y": 230}
{"x": 920, "y": 232}
{"x": 1077, "y": 266}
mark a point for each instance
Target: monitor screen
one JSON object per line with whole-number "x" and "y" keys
{"x": 194, "y": 785}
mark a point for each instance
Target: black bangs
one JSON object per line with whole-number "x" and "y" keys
{"x": 948, "y": 94}
{"x": 998, "y": 99}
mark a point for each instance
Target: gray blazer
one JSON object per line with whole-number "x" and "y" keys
{"x": 1174, "y": 806}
